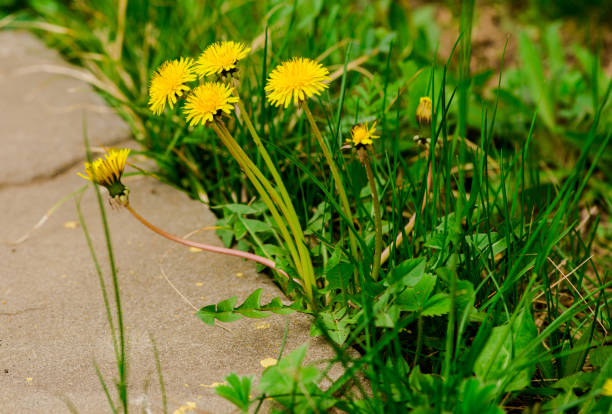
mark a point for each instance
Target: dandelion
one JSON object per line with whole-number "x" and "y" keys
{"x": 168, "y": 83}
{"x": 361, "y": 135}
{"x": 607, "y": 388}
{"x": 296, "y": 80}
{"x": 207, "y": 101}
{"x": 423, "y": 112}
{"x": 107, "y": 172}
{"x": 221, "y": 58}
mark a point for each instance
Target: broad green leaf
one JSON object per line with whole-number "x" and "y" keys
{"x": 239, "y": 229}
{"x": 335, "y": 323}
{"x": 237, "y": 391}
{"x": 239, "y": 208}
{"x": 409, "y": 271}
{"x": 413, "y": 298}
{"x": 255, "y": 226}
{"x": 504, "y": 344}
{"x": 293, "y": 385}
{"x": 598, "y": 356}
{"x": 537, "y": 83}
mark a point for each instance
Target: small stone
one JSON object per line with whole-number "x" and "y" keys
{"x": 71, "y": 224}
{"x": 268, "y": 362}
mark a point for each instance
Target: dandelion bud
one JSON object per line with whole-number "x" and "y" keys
{"x": 423, "y": 112}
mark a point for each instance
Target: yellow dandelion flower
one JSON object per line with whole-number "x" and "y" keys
{"x": 362, "y": 135}
{"x": 221, "y": 58}
{"x": 207, "y": 101}
{"x": 423, "y": 112}
{"x": 607, "y": 388}
{"x": 168, "y": 83}
{"x": 296, "y": 80}
{"x": 107, "y": 172}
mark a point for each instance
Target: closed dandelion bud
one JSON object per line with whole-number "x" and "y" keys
{"x": 423, "y": 112}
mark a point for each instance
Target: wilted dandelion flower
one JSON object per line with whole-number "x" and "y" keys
{"x": 107, "y": 172}
{"x": 220, "y": 58}
{"x": 296, "y": 80}
{"x": 423, "y": 112}
{"x": 168, "y": 83}
{"x": 207, "y": 101}
{"x": 362, "y": 135}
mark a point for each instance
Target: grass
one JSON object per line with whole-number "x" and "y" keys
{"x": 496, "y": 296}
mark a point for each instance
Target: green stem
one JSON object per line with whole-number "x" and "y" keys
{"x": 271, "y": 198}
{"x": 365, "y": 159}
{"x": 336, "y": 176}
{"x": 292, "y": 216}
{"x": 419, "y": 341}
{"x": 265, "y": 196}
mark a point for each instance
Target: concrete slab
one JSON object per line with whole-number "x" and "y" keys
{"x": 41, "y": 111}
{"x": 52, "y": 321}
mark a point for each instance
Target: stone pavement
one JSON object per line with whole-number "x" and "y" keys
{"x": 52, "y": 320}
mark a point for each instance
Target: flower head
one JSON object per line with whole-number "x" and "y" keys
{"x": 296, "y": 80}
{"x": 607, "y": 388}
{"x": 207, "y": 101}
{"x": 168, "y": 83}
{"x": 423, "y": 112}
{"x": 362, "y": 135}
{"x": 107, "y": 172}
{"x": 221, "y": 58}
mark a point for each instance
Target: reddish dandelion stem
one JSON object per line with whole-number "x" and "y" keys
{"x": 209, "y": 248}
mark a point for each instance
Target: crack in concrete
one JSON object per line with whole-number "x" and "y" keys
{"x": 41, "y": 178}
{"x": 19, "y": 312}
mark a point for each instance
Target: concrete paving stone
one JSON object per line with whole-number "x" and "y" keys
{"x": 41, "y": 111}
{"x": 52, "y": 321}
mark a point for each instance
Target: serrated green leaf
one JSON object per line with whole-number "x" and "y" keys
{"x": 438, "y": 304}
{"x": 226, "y": 311}
{"x": 227, "y": 305}
{"x": 252, "y": 302}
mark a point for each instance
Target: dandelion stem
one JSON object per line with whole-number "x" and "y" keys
{"x": 410, "y": 225}
{"x": 265, "y": 155}
{"x": 302, "y": 258}
{"x": 365, "y": 159}
{"x": 336, "y": 175}
{"x": 207, "y": 247}
{"x": 266, "y": 196}
{"x": 292, "y": 216}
